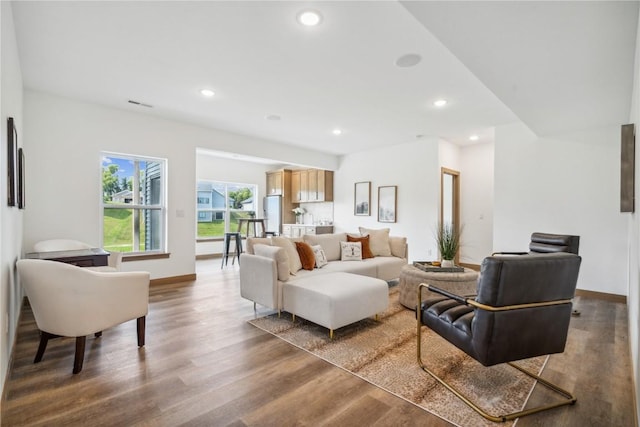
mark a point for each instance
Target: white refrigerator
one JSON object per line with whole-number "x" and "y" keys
{"x": 273, "y": 214}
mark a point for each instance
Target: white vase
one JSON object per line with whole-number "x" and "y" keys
{"x": 299, "y": 219}
{"x": 447, "y": 263}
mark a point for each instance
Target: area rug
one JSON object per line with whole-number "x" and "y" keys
{"x": 383, "y": 353}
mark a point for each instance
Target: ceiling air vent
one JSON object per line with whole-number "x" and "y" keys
{"x": 141, "y": 104}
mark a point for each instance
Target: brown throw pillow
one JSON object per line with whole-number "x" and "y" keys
{"x": 366, "y": 249}
{"x": 307, "y": 257}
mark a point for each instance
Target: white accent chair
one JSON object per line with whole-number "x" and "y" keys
{"x": 71, "y": 301}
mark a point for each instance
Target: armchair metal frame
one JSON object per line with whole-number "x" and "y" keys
{"x": 570, "y": 399}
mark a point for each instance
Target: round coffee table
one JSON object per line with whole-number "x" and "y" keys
{"x": 463, "y": 283}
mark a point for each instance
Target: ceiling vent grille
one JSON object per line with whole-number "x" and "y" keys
{"x": 138, "y": 103}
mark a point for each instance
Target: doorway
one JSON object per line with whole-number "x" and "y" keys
{"x": 450, "y": 201}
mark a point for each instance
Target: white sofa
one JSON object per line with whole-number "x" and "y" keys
{"x": 270, "y": 275}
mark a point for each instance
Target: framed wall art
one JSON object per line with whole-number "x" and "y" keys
{"x": 362, "y": 198}
{"x": 21, "y": 196}
{"x": 12, "y": 152}
{"x": 387, "y": 203}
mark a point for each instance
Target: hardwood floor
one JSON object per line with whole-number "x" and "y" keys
{"x": 204, "y": 365}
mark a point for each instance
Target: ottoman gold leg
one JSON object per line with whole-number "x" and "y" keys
{"x": 330, "y": 334}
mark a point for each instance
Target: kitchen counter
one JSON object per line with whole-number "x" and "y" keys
{"x": 298, "y": 230}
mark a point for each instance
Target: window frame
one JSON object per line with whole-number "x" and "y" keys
{"x": 161, "y": 206}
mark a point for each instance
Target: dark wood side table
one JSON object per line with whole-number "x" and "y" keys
{"x": 93, "y": 257}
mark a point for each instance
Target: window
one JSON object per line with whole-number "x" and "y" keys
{"x": 133, "y": 203}
{"x": 221, "y": 204}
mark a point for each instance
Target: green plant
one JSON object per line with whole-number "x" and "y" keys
{"x": 448, "y": 239}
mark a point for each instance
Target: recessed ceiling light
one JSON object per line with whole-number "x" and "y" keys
{"x": 273, "y": 117}
{"x": 207, "y": 92}
{"x": 474, "y": 137}
{"x": 408, "y": 60}
{"x": 336, "y": 132}
{"x": 309, "y": 18}
{"x": 440, "y": 103}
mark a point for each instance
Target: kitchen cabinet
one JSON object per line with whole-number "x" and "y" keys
{"x": 299, "y": 186}
{"x": 319, "y": 185}
{"x": 312, "y": 185}
{"x": 275, "y": 182}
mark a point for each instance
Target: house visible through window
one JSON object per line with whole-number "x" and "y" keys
{"x": 221, "y": 204}
{"x": 133, "y": 203}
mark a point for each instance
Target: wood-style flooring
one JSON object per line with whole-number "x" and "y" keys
{"x": 203, "y": 365}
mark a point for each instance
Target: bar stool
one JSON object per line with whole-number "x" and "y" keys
{"x": 225, "y": 246}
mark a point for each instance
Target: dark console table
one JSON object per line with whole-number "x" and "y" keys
{"x": 93, "y": 257}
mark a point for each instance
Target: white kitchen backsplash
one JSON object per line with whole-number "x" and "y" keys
{"x": 318, "y": 213}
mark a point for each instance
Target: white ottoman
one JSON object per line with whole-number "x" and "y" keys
{"x": 336, "y": 299}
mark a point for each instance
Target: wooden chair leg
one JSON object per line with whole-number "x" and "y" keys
{"x": 79, "y": 358}
{"x": 141, "y": 330}
{"x": 44, "y": 339}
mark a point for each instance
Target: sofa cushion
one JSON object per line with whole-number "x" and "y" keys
{"x": 330, "y": 243}
{"x": 378, "y": 241}
{"x": 398, "y": 246}
{"x": 307, "y": 257}
{"x": 278, "y": 254}
{"x": 292, "y": 253}
{"x": 336, "y": 299}
{"x": 362, "y": 268}
{"x": 351, "y": 251}
{"x": 366, "y": 249}
{"x": 387, "y": 267}
{"x": 321, "y": 258}
{"x": 252, "y": 241}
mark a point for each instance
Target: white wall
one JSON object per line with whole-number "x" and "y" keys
{"x": 66, "y": 138}
{"x": 449, "y": 155}
{"x": 633, "y": 245}
{"x": 566, "y": 184}
{"x": 414, "y": 168}
{"x": 10, "y": 217}
{"x": 476, "y": 202}
{"x": 220, "y": 169}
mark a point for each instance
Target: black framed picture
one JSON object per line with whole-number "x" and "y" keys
{"x": 12, "y": 151}
{"x": 21, "y": 196}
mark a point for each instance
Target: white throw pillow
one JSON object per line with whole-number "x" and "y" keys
{"x": 378, "y": 241}
{"x": 351, "y": 251}
{"x": 398, "y": 246}
{"x": 292, "y": 253}
{"x": 321, "y": 258}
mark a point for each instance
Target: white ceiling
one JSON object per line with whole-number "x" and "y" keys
{"x": 556, "y": 66}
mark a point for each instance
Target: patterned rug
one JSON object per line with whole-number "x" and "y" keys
{"x": 383, "y": 353}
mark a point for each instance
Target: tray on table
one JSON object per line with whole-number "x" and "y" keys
{"x": 427, "y": 266}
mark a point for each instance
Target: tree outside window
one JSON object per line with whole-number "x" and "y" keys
{"x": 133, "y": 201}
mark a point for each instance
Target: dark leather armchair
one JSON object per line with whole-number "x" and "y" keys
{"x": 522, "y": 310}
{"x": 549, "y": 243}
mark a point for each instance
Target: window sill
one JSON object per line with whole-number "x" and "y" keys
{"x": 209, "y": 239}
{"x": 144, "y": 257}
